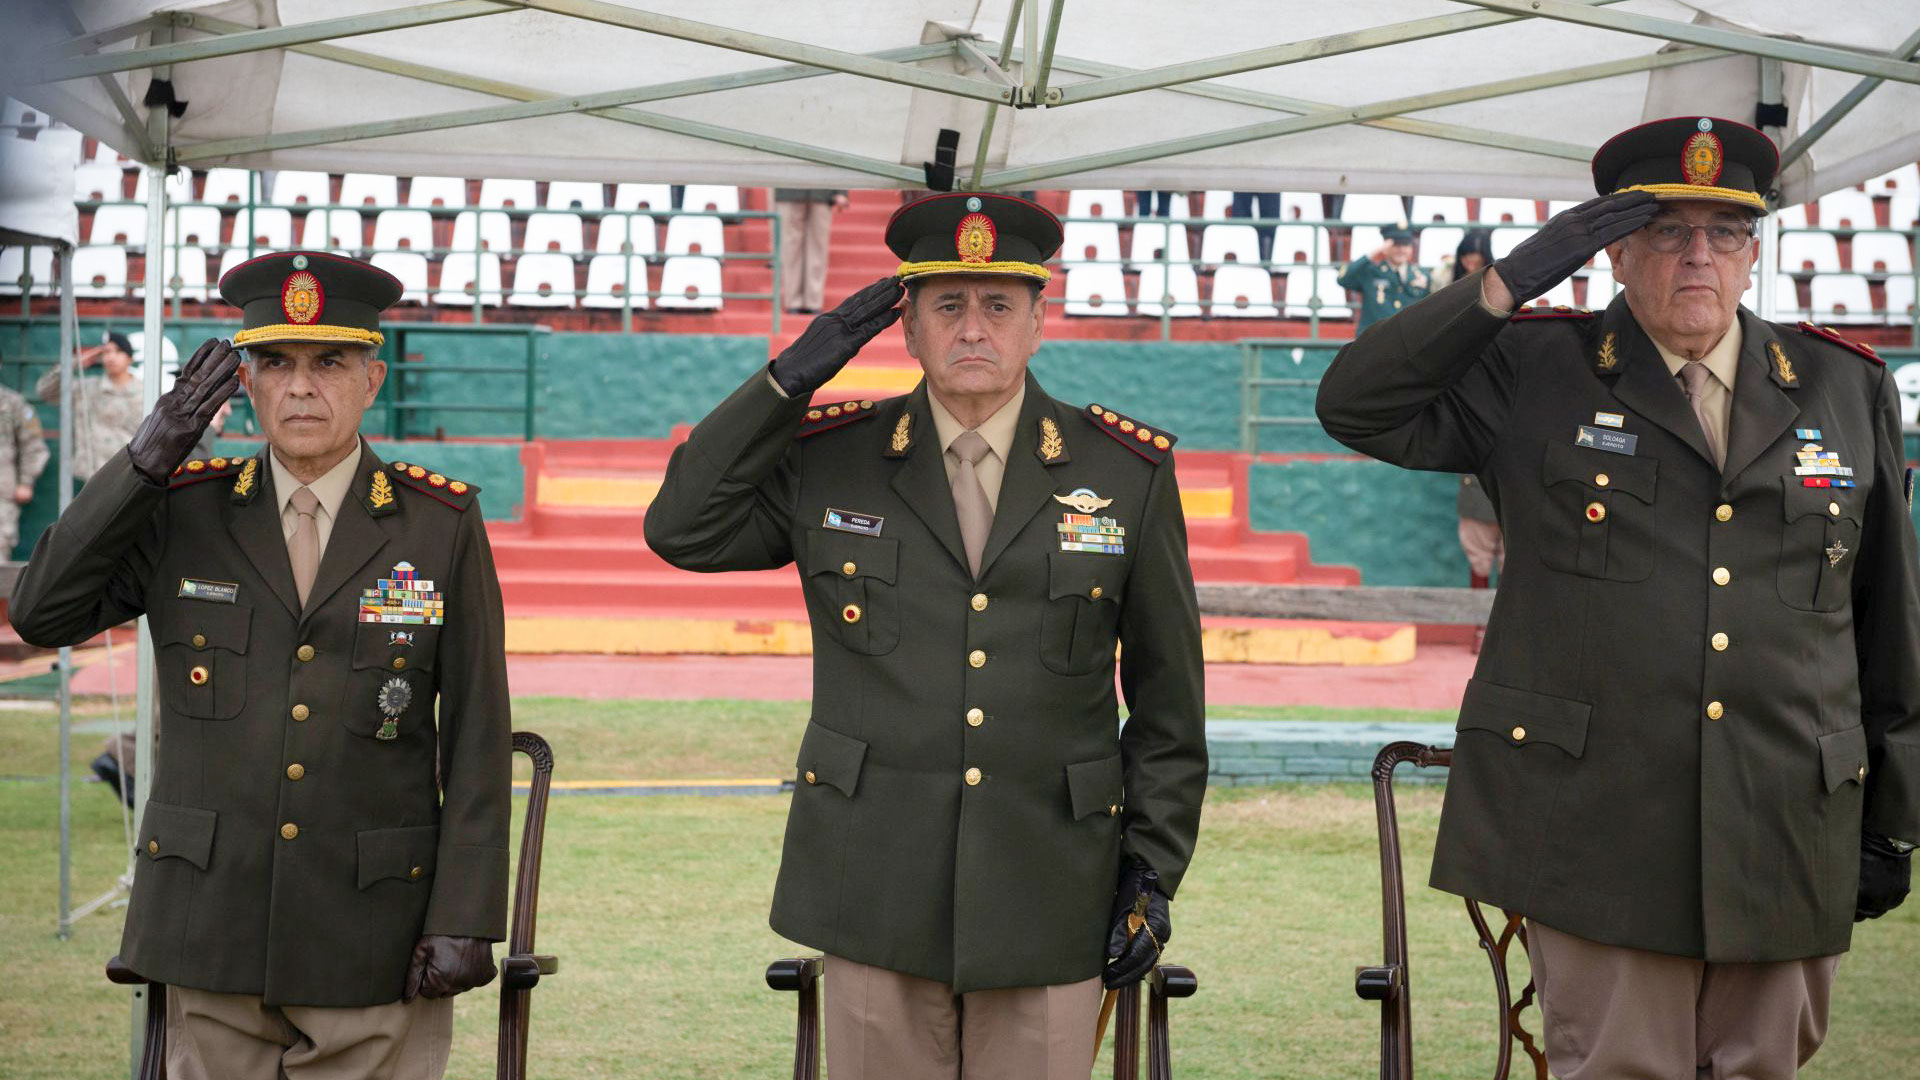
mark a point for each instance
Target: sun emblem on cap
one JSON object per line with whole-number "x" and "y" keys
{"x": 975, "y": 238}
{"x": 1702, "y": 158}
{"x": 301, "y": 298}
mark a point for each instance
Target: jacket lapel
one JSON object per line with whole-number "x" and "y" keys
{"x": 357, "y": 535}
{"x": 1762, "y": 408}
{"x": 1025, "y": 485}
{"x": 255, "y": 527}
{"x": 1644, "y": 384}
{"x": 921, "y": 479}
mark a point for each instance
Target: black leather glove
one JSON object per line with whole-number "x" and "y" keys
{"x": 1885, "y": 875}
{"x": 167, "y": 435}
{"x": 443, "y": 966}
{"x": 831, "y": 340}
{"x": 1130, "y": 958}
{"x": 1569, "y": 239}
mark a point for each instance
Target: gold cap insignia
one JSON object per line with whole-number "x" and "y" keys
{"x": 301, "y": 298}
{"x": 975, "y": 238}
{"x": 1702, "y": 158}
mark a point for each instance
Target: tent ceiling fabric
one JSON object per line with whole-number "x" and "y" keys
{"x": 541, "y": 54}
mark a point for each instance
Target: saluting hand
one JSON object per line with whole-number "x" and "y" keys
{"x": 443, "y": 966}
{"x": 168, "y": 433}
{"x": 831, "y": 340}
{"x": 1565, "y": 243}
{"x": 1132, "y": 952}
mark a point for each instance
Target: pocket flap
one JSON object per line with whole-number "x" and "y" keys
{"x": 831, "y": 758}
{"x": 407, "y": 853}
{"x": 1090, "y": 577}
{"x": 832, "y": 551}
{"x": 378, "y": 645}
{"x": 1095, "y": 787}
{"x": 207, "y": 626}
{"x": 177, "y": 832}
{"x": 1843, "y": 757}
{"x": 1523, "y": 717}
{"x": 1633, "y": 475}
{"x": 1801, "y": 501}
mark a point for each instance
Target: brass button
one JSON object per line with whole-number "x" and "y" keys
{"x": 301, "y": 712}
{"x": 1721, "y": 575}
{"x": 851, "y": 613}
{"x": 416, "y": 872}
{"x": 1861, "y": 775}
{"x": 812, "y": 779}
{"x": 848, "y": 568}
{"x": 1602, "y": 480}
{"x": 296, "y": 770}
{"x": 1113, "y": 810}
{"x": 1724, "y": 511}
{"x": 1715, "y": 710}
{"x": 1719, "y": 643}
{"x": 304, "y": 652}
{"x": 399, "y": 663}
{"x": 1095, "y": 592}
{"x": 979, "y": 602}
{"x": 1519, "y": 733}
{"x": 1833, "y": 508}
{"x": 199, "y": 641}
{"x": 1596, "y": 513}
{"x": 289, "y": 831}
{"x": 977, "y": 658}
{"x": 973, "y": 777}
{"x": 975, "y": 717}
{"x": 198, "y": 676}
{"x": 153, "y": 847}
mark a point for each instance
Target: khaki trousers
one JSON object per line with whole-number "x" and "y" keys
{"x": 882, "y": 1025}
{"x": 238, "y": 1037}
{"x": 1614, "y": 1013}
{"x": 804, "y": 227}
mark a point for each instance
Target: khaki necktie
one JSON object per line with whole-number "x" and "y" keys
{"x": 1693, "y": 377}
{"x": 969, "y": 498}
{"x": 303, "y": 547}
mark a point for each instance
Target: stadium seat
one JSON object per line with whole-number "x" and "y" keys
{"x": 690, "y": 282}
{"x": 457, "y": 279}
{"x": 542, "y": 279}
{"x": 719, "y": 198}
{"x": 1507, "y": 238}
{"x": 267, "y": 228}
{"x": 1601, "y": 260}
{"x": 576, "y": 195}
{"x": 1438, "y": 242}
{"x": 100, "y": 272}
{"x": 500, "y": 194}
{"x": 1600, "y": 289}
{"x": 617, "y": 231}
{"x": 1364, "y": 240}
{"x": 1791, "y": 217}
{"x": 179, "y": 186}
{"x": 1847, "y": 208}
{"x": 196, "y": 225}
{"x": 1300, "y": 243}
{"x": 1243, "y": 292}
{"x": 1096, "y": 202}
{"x": 334, "y": 230}
{"x": 1903, "y": 209}
{"x": 1904, "y": 178}
{"x": 1560, "y": 295}
{"x": 1445, "y": 208}
{"x": 1096, "y": 289}
{"x": 1518, "y": 211}
{"x": 394, "y": 230}
{"x": 106, "y": 155}
{"x": 369, "y": 189}
{"x": 98, "y": 183}
{"x": 445, "y": 192}
{"x": 14, "y": 262}
{"x": 691, "y": 235}
{"x": 229, "y": 259}
{"x": 1557, "y": 206}
{"x": 1302, "y": 206}
{"x": 125, "y": 225}
{"x": 182, "y": 271}
{"x": 1217, "y": 205}
{"x": 1090, "y": 241}
{"x": 1906, "y": 379}
{"x": 1900, "y": 303}
{"x": 553, "y": 230}
{"x": 228, "y": 186}
{"x": 289, "y": 188}
{"x": 655, "y": 197}
{"x": 494, "y": 229}
{"x": 1304, "y": 283}
{"x": 1229, "y": 243}
{"x": 410, "y": 268}
{"x": 1786, "y": 298}
{"x": 1841, "y": 298}
{"x": 1801, "y": 252}
{"x": 610, "y": 278}
{"x": 1175, "y": 278}
{"x": 1374, "y": 209}
{"x": 1882, "y": 252}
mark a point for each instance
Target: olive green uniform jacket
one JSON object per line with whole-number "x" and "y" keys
{"x": 286, "y": 850}
{"x": 1622, "y": 771}
{"x": 898, "y": 852}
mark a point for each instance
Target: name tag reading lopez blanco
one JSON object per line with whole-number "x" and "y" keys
{"x": 848, "y": 521}
{"x": 1613, "y": 442}
{"x": 217, "y": 592}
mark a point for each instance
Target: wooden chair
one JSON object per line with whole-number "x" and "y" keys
{"x": 520, "y": 970}
{"x": 802, "y": 975}
{"x": 1390, "y": 983}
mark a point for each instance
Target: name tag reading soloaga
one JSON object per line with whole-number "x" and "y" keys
{"x": 1613, "y": 442}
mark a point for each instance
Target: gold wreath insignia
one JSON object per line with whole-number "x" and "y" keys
{"x": 1780, "y": 362}
{"x": 380, "y": 495}
{"x": 902, "y": 433}
{"x": 243, "y": 485}
{"x": 1051, "y": 445}
{"x": 1608, "y": 359}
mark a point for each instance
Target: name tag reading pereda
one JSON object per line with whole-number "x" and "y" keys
{"x": 217, "y": 592}
{"x": 853, "y": 522}
{"x": 1613, "y": 442}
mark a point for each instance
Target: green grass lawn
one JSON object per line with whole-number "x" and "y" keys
{"x": 657, "y": 907}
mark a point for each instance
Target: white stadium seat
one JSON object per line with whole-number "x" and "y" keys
{"x": 1160, "y": 284}
{"x": 1302, "y": 206}
{"x": 266, "y": 228}
{"x": 690, "y": 282}
{"x": 457, "y": 279}
{"x": 1507, "y": 238}
{"x": 179, "y": 186}
{"x": 553, "y": 230}
{"x": 1900, "y": 303}
{"x": 100, "y": 272}
{"x": 126, "y": 225}
{"x": 1304, "y": 283}
{"x": 1801, "y": 252}
{"x": 494, "y": 228}
{"x": 1300, "y": 243}
{"x": 1152, "y": 241}
{"x": 1906, "y": 379}
{"x": 1786, "y": 298}
{"x": 1518, "y": 211}
{"x": 1374, "y": 209}
{"x": 614, "y": 277}
{"x": 98, "y": 183}
{"x": 1445, "y": 208}
{"x": 1437, "y": 242}
{"x": 617, "y": 231}
{"x": 1560, "y": 295}
{"x": 228, "y": 186}
{"x": 410, "y": 268}
{"x": 1601, "y": 260}
{"x": 1096, "y": 289}
{"x": 1847, "y": 209}
{"x": 196, "y": 225}
{"x": 575, "y": 195}
{"x": 1841, "y": 298}
{"x": 542, "y": 280}
{"x": 14, "y": 262}
{"x": 1090, "y": 241}
{"x": 1791, "y": 217}
{"x": 1903, "y": 209}
{"x": 655, "y": 197}
{"x": 1904, "y": 178}
{"x": 719, "y": 198}
{"x": 335, "y": 230}
{"x": 1229, "y": 243}
{"x": 394, "y": 230}
{"x": 1365, "y": 240}
{"x": 499, "y": 194}
{"x": 1218, "y": 205}
{"x": 369, "y": 189}
{"x": 1880, "y": 252}
{"x": 290, "y": 188}
{"x": 1096, "y": 202}
{"x": 1244, "y": 292}
{"x": 445, "y": 192}
{"x": 1600, "y": 289}
{"x": 184, "y": 267}
{"x": 690, "y": 235}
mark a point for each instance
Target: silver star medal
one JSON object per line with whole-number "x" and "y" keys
{"x": 1835, "y": 552}
{"x": 395, "y": 696}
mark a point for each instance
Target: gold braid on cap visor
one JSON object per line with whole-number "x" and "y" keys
{"x": 954, "y": 266}
{"x": 290, "y": 332}
{"x": 1752, "y": 199}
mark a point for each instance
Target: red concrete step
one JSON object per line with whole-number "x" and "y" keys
{"x": 741, "y": 594}
{"x": 582, "y": 521}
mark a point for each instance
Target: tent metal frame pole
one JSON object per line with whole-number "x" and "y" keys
{"x": 1346, "y": 115}
{"x": 1291, "y": 53}
{"x": 1772, "y": 92}
{"x": 1847, "y": 103}
{"x": 85, "y": 44}
{"x": 778, "y": 48}
{"x": 69, "y": 333}
{"x": 131, "y": 123}
{"x": 257, "y": 40}
{"x": 1740, "y": 41}
{"x": 993, "y": 110}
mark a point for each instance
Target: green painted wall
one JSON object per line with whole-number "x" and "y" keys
{"x": 1192, "y": 390}
{"x": 1399, "y": 527}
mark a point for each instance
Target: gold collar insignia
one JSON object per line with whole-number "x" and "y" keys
{"x": 1052, "y": 448}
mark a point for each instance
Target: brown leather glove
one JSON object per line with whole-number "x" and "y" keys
{"x": 443, "y": 966}
{"x": 167, "y": 435}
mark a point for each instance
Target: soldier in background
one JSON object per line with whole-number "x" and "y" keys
{"x": 106, "y": 410}
{"x": 23, "y": 455}
{"x": 1386, "y": 278}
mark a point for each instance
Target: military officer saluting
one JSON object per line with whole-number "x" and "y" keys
{"x": 1386, "y": 278}
{"x": 1690, "y": 752}
{"x": 965, "y": 800}
{"x": 307, "y": 890}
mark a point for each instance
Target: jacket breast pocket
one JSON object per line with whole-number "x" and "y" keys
{"x": 856, "y": 579}
{"x": 1599, "y": 513}
{"x": 203, "y": 658}
{"x": 1079, "y": 629}
{"x": 1818, "y": 545}
{"x": 391, "y": 690}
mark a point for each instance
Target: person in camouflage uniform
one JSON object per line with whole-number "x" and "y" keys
{"x": 23, "y": 454}
{"x": 107, "y": 410}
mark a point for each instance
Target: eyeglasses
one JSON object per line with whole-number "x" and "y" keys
{"x": 1668, "y": 237}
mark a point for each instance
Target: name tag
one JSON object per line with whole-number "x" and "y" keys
{"x": 849, "y": 521}
{"x": 215, "y": 592}
{"x": 1613, "y": 442}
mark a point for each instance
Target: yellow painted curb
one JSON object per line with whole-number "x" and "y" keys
{"x": 1303, "y": 645}
{"x": 1207, "y": 502}
{"x": 610, "y": 492}
{"x": 864, "y": 377}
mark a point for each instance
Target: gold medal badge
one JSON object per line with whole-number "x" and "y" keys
{"x": 1702, "y": 158}
{"x": 301, "y": 298}
{"x": 975, "y": 238}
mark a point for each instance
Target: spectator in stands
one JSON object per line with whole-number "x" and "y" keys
{"x": 23, "y": 454}
{"x": 806, "y": 221}
{"x": 1386, "y": 278}
{"x": 1152, "y": 203}
{"x": 1474, "y": 253}
{"x": 1268, "y": 204}
{"x": 106, "y": 410}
